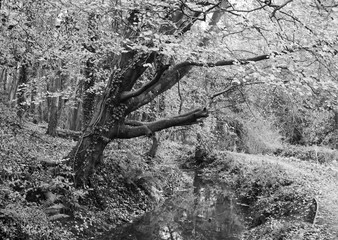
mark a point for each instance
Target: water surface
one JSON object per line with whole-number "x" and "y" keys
{"x": 204, "y": 211}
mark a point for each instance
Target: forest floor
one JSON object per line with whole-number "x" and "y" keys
{"x": 287, "y": 198}
{"x": 320, "y": 178}
{"x": 37, "y": 196}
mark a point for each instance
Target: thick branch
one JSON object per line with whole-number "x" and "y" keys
{"x": 176, "y": 73}
{"x": 231, "y": 62}
{"x": 133, "y": 68}
{"x": 129, "y": 131}
{"x": 129, "y": 94}
{"x": 167, "y": 81}
{"x": 134, "y": 123}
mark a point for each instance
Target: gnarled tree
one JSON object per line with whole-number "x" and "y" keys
{"x": 130, "y": 52}
{"x": 120, "y": 97}
{"x": 143, "y": 53}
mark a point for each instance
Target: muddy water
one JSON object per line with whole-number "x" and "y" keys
{"x": 204, "y": 211}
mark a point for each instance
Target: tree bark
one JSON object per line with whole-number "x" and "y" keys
{"x": 335, "y": 111}
{"x": 55, "y": 104}
{"x": 336, "y": 118}
{"x": 3, "y": 80}
{"x": 22, "y": 80}
{"x": 89, "y": 73}
{"x": 75, "y": 123}
{"x": 89, "y": 95}
{"x": 152, "y": 152}
{"x": 52, "y": 121}
{"x": 53, "y": 116}
{"x": 13, "y": 87}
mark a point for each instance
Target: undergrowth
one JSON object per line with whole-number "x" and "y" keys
{"x": 308, "y": 153}
{"x": 276, "y": 205}
{"x": 261, "y": 137}
{"x": 24, "y": 182}
{"x": 37, "y": 196}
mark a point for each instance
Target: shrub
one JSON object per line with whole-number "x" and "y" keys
{"x": 28, "y": 222}
{"x": 261, "y": 136}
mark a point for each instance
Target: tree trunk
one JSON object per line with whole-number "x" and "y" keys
{"x": 153, "y": 149}
{"x": 22, "y": 80}
{"x": 55, "y": 104}
{"x": 89, "y": 96}
{"x": 53, "y": 113}
{"x": 89, "y": 72}
{"x": 13, "y": 87}
{"x": 336, "y": 118}
{"x": 32, "y": 107}
{"x": 75, "y": 118}
{"x": 3, "y": 80}
{"x": 336, "y": 124}
{"x": 85, "y": 158}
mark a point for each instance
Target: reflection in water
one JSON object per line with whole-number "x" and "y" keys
{"x": 204, "y": 212}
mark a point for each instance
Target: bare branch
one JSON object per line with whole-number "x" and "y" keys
{"x": 129, "y": 131}
{"x": 228, "y": 89}
{"x": 279, "y": 7}
{"x": 176, "y": 73}
{"x": 233, "y": 11}
{"x": 180, "y": 97}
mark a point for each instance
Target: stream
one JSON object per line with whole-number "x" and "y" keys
{"x": 204, "y": 211}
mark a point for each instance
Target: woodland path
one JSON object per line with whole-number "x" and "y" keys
{"x": 322, "y": 179}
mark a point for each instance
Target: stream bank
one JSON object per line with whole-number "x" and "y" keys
{"x": 202, "y": 210}
{"x": 283, "y": 198}
{"x": 236, "y": 197}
